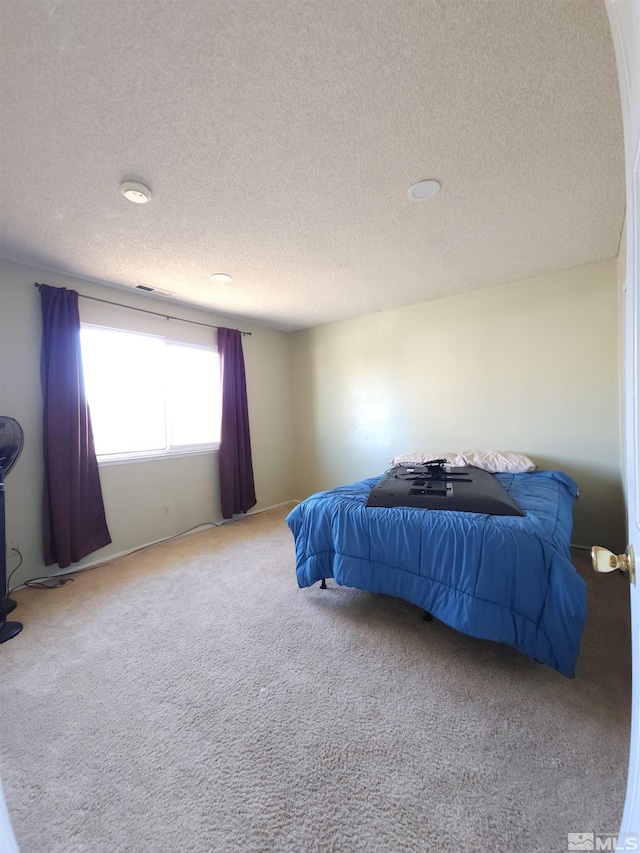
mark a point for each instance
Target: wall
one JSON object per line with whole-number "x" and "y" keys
{"x": 529, "y": 366}
{"x": 134, "y": 493}
{"x": 621, "y": 270}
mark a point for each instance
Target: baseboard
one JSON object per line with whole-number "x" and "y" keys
{"x": 72, "y": 570}
{"x": 258, "y": 511}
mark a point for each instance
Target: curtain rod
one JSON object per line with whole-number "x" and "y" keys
{"x": 146, "y": 311}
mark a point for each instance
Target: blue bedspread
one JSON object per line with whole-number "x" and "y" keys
{"x": 508, "y": 579}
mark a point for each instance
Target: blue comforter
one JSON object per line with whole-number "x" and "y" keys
{"x": 508, "y": 579}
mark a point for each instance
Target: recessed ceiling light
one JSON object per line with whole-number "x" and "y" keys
{"x": 221, "y": 277}
{"x": 135, "y": 192}
{"x": 423, "y": 190}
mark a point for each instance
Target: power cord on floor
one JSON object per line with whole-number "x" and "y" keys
{"x": 171, "y": 538}
{"x": 48, "y": 583}
{"x": 61, "y": 580}
{"x": 36, "y": 583}
{"x": 9, "y": 591}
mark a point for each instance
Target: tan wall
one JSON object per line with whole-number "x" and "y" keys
{"x": 529, "y": 366}
{"x": 134, "y": 493}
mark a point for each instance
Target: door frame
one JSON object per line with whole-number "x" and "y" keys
{"x": 624, "y": 20}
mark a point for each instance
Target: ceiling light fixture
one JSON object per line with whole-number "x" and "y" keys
{"x": 423, "y": 190}
{"x": 135, "y": 191}
{"x": 221, "y": 277}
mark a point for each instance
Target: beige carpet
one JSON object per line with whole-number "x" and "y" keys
{"x": 191, "y": 698}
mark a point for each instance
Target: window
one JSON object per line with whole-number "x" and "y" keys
{"x": 149, "y": 395}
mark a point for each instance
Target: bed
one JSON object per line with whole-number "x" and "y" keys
{"x": 502, "y": 578}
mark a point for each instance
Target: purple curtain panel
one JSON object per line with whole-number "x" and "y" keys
{"x": 237, "y": 488}
{"x": 74, "y": 522}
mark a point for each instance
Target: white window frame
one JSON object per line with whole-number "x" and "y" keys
{"x": 172, "y": 451}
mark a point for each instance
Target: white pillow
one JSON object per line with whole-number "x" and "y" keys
{"x": 497, "y": 461}
{"x": 409, "y": 459}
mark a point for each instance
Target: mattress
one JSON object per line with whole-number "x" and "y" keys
{"x": 504, "y": 578}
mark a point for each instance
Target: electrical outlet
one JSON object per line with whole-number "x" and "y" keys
{"x": 166, "y": 511}
{"x": 11, "y": 545}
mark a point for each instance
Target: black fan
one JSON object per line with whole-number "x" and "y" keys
{"x": 11, "y": 442}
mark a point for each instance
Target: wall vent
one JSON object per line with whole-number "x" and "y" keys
{"x": 157, "y": 291}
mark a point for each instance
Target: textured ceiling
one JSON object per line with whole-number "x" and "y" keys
{"x": 280, "y": 138}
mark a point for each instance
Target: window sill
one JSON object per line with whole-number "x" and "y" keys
{"x": 151, "y": 455}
